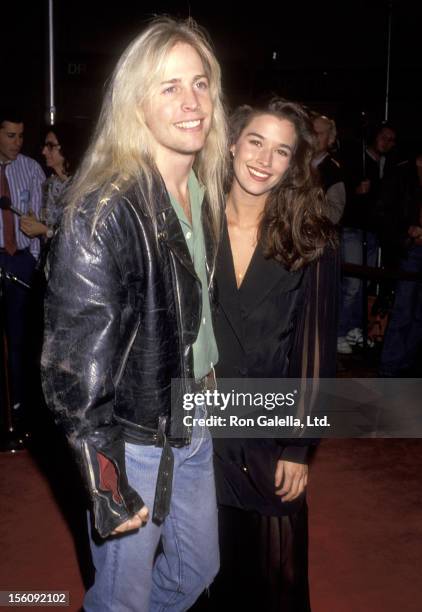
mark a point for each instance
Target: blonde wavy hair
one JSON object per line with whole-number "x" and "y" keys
{"x": 121, "y": 150}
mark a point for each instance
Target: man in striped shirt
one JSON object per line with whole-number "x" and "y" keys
{"x": 20, "y": 191}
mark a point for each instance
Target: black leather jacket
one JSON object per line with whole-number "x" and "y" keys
{"x": 123, "y": 308}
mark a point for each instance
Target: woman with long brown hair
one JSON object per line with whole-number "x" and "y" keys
{"x": 276, "y": 277}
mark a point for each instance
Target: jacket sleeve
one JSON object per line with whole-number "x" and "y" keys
{"x": 82, "y": 355}
{"x": 315, "y": 346}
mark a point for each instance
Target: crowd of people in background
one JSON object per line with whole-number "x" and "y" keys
{"x": 31, "y": 208}
{"x": 380, "y": 228}
{"x": 372, "y": 195}
{"x": 21, "y": 194}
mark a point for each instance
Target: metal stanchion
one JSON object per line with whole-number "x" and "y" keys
{"x": 11, "y": 440}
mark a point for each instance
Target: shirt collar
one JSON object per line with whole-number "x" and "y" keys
{"x": 196, "y": 195}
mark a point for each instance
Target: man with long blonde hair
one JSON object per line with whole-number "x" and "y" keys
{"x": 128, "y": 310}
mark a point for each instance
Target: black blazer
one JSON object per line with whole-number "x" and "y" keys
{"x": 263, "y": 329}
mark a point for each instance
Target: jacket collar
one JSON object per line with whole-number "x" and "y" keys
{"x": 260, "y": 279}
{"x": 169, "y": 230}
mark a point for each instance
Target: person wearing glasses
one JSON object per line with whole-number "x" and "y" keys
{"x": 62, "y": 149}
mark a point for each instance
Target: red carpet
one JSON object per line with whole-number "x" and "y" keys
{"x": 38, "y": 552}
{"x": 365, "y": 527}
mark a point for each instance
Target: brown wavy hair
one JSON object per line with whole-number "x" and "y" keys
{"x": 294, "y": 229}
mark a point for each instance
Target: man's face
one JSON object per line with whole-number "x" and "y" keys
{"x": 179, "y": 111}
{"x": 11, "y": 139}
{"x": 322, "y": 131}
{"x": 385, "y": 141}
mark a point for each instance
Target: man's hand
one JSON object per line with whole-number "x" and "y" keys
{"x": 137, "y": 521}
{"x": 30, "y": 225}
{"x": 293, "y": 477}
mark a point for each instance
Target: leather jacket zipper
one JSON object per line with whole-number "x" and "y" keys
{"x": 179, "y": 325}
{"x": 94, "y": 489}
{"x": 127, "y": 351}
{"x": 90, "y": 469}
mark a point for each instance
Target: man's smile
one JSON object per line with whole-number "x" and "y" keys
{"x": 189, "y": 125}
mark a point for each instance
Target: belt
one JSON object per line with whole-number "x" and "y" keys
{"x": 164, "y": 484}
{"x": 163, "y": 488}
{"x": 140, "y": 434}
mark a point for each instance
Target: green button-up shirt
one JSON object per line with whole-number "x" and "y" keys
{"x": 205, "y": 353}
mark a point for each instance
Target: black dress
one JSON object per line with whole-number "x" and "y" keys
{"x": 277, "y": 324}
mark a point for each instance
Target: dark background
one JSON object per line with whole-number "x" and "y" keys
{"x": 330, "y": 55}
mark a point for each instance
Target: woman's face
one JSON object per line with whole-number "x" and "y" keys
{"x": 263, "y": 153}
{"x": 51, "y": 151}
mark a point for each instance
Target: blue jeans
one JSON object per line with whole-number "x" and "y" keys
{"x": 403, "y": 336}
{"x": 162, "y": 567}
{"x": 351, "y": 299}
